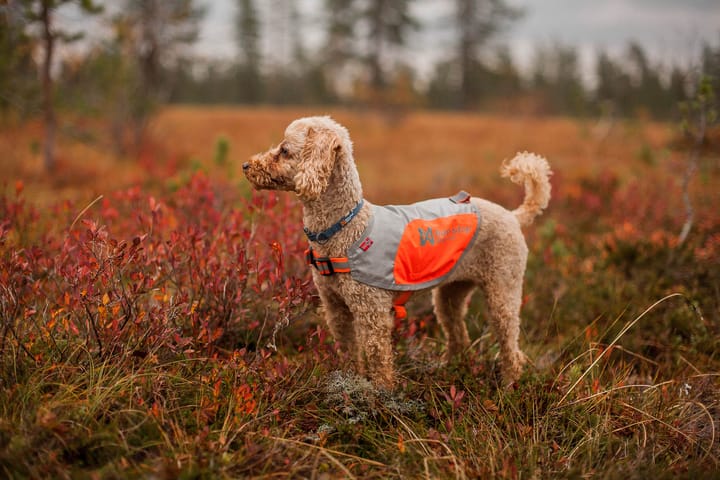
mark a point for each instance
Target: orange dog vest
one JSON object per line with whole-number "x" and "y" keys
{"x": 412, "y": 247}
{"x": 408, "y": 247}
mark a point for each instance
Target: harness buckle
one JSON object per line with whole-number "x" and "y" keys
{"x": 327, "y": 265}
{"x": 329, "y": 269}
{"x": 310, "y": 257}
{"x": 324, "y": 265}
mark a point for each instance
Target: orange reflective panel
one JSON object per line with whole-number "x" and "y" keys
{"x": 430, "y": 248}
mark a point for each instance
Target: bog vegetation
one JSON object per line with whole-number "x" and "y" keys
{"x": 170, "y": 328}
{"x": 156, "y": 316}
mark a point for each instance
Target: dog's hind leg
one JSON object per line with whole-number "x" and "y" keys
{"x": 504, "y": 309}
{"x": 451, "y": 304}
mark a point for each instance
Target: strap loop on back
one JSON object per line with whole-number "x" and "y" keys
{"x": 461, "y": 197}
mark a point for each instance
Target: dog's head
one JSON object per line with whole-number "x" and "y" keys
{"x": 303, "y": 162}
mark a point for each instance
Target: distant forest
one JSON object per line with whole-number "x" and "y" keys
{"x": 364, "y": 58}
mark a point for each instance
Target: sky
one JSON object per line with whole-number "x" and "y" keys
{"x": 671, "y": 31}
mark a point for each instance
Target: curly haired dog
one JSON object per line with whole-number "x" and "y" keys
{"x": 315, "y": 160}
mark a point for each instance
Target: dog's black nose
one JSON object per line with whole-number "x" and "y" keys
{"x": 246, "y": 165}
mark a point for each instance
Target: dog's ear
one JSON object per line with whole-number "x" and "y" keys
{"x": 317, "y": 159}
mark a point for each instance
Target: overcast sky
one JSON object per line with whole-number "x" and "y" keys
{"x": 670, "y": 30}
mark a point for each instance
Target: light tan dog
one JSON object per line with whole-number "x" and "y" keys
{"x": 315, "y": 160}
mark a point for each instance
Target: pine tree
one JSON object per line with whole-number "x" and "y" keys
{"x": 340, "y": 50}
{"x": 247, "y": 35}
{"x": 41, "y": 12}
{"x": 17, "y": 69}
{"x": 388, "y": 26}
{"x": 614, "y": 90}
{"x": 156, "y": 33}
{"x": 476, "y": 22}
{"x": 366, "y": 34}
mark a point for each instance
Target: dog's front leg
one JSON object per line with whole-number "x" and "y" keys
{"x": 340, "y": 322}
{"x": 373, "y": 322}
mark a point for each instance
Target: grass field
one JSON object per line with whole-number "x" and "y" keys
{"x": 158, "y": 320}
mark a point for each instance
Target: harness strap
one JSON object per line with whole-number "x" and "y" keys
{"x": 399, "y": 304}
{"x": 327, "y": 265}
{"x": 331, "y": 265}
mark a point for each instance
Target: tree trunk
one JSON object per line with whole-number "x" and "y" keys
{"x": 692, "y": 166}
{"x": 377, "y": 77}
{"x": 466, "y": 50}
{"x": 48, "y": 107}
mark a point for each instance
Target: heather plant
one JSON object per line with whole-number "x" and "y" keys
{"x": 146, "y": 275}
{"x": 138, "y": 285}
{"x": 171, "y": 331}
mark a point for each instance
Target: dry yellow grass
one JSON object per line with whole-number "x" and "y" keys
{"x": 401, "y": 157}
{"x": 423, "y": 153}
{"x": 84, "y": 169}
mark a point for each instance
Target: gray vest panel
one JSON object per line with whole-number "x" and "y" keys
{"x": 372, "y": 257}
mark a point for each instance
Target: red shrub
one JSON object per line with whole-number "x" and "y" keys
{"x": 200, "y": 269}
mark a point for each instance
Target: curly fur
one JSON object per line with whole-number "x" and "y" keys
{"x": 315, "y": 160}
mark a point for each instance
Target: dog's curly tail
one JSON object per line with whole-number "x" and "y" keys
{"x": 533, "y": 171}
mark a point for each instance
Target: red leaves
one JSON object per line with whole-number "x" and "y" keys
{"x": 184, "y": 273}
{"x": 454, "y": 397}
{"x": 244, "y": 401}
{"x": 277, "y": 255}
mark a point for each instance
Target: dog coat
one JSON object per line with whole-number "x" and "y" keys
{"x": 405, "y": 248}
{"x": 413, "y": 247}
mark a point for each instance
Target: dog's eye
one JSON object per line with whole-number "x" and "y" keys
{"x": 284, "y": 151}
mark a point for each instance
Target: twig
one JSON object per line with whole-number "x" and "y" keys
{"x": 100, "y": 197}
{"x": 91, "y": 317}
{"x": 689, "y": 174}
